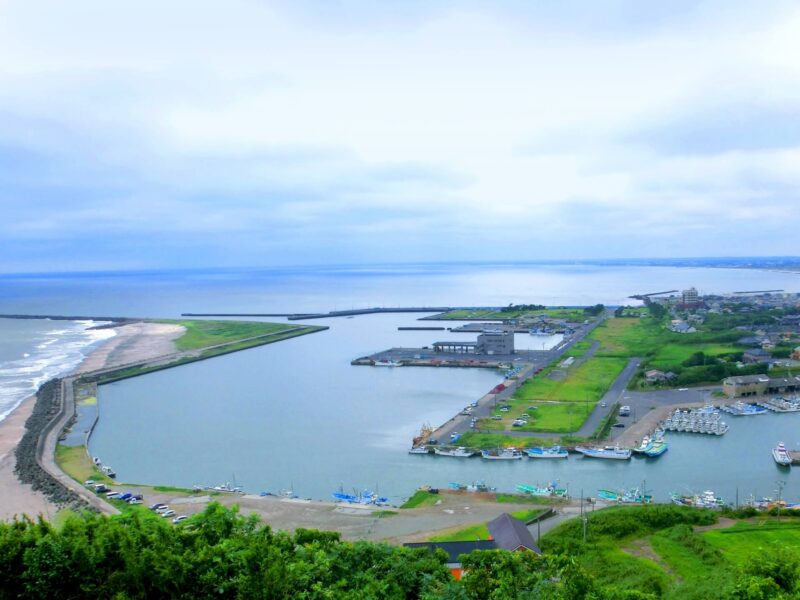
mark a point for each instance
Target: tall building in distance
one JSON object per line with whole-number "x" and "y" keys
{"x": 690, "y": 298}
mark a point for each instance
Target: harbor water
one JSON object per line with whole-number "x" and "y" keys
{"x": 297, "y": 415}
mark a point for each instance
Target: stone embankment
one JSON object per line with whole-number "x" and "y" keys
{"x": 45, "y": 414}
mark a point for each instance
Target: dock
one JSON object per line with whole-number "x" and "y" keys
{"x": 795, "y": 456}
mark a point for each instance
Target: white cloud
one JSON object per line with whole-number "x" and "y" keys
{"x": 263, "y": 119}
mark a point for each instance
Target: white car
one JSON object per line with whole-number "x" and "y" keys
{"x": 168, "y": 513}
{"x": 179, "y": 519}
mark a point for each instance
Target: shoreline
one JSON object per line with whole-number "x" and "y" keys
{"x": 133, "y": 341}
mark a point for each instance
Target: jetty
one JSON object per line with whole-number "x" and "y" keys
{"x": 326, "y": 315}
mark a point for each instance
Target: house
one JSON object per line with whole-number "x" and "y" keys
{"x": 512, "y": 534}
{"x": 756, "y": 355}
{"x": 654, "y": 376}
{"x": 507, "y": 533}
{"x": 679, "y": 326}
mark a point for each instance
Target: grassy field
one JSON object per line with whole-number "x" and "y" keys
{"x": 657, "y": 550}
{"x": 746, "y": 538}
{"x": 74, "y": 461}
{"x": 421, "y": 498}
{"x": 201, "y": 334}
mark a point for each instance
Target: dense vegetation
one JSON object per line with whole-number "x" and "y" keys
{"x": 220, "y": 554}
{"x": 630, "y": 553}
{"x": 655, "y": 551}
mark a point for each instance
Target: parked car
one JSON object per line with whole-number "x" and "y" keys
{"x": 179, "y": 518}
{"x": 134, "y": 501}
{"x": 168, "y": 513}
{"x": 89, "y": 482}
{"x": 126, "y": 496}
{"x": 156, "y": 506}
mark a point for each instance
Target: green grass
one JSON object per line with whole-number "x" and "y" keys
{"x": 746, "y": 538}
{"x": 129, "y": 372}
{"x": 527, "y": 514}
{"x": 479, "y": 531}
{"x": 421, "y": 498}
{"x": 473, "y": 439}
{"x": 201, "y": 333}
{"x": 74, "y": 461}
{"x": 383, "y": 514}
{"x": 559, "y": 417}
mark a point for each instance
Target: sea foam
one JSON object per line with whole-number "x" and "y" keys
{"x": 48, "y": 353}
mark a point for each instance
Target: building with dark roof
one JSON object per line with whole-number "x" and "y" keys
{"x": 512, "y": 534}
{"x": 507, "y": 533}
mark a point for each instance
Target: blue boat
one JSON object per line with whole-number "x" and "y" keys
{"x": 553, "y": 452}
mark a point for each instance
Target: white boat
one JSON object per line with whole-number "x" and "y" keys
{"x": 553, "y": 452}
{"x": 459, "y": 452}
{"x": 781, "y": 455}
{"x": 387, "y": 363}
{"x": 504, "y": 454}
{"x": 609, "y": 452}
{"x": 418, "y": 450}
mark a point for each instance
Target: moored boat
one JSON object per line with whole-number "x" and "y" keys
{"x": 657, "y": 448}
{"x": 781, "y": 455}
{"x": 501, "y": 454}
{"x": 552, "y": 452}
{"x": 418, "y": 450}
{"x": 459, "y": 452}
{"x": 608, "y": 452}
{"x": 387, "y": 363}
{"x": 631, "y": 496}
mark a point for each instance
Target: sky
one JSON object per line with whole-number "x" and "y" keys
{"x": 185, "y": 134}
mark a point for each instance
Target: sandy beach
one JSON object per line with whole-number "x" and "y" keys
{"x": 132, "y": 342}
{"x": 17, "y": 498}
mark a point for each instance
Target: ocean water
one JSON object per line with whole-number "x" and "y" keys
{"x": 297, "y": 414}
{"x": 31, "y": 352}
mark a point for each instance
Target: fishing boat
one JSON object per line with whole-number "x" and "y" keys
{"x": 418, "y": 450}
{"x": 608, "y": 452}
{"x": 781, "y": 455}
{"x": 631, "y": 496}
{"x": 501, "y": 454}
{"x": 456, "y": 486}
{"x": 387, "y": 363}
{"x": 459, "y": 452}
{"x": 479, "y": 486}
{"x": 705, "y": 500}
{"x": 552, "y": 452}
{"x": 657, "y": 448}
{"x": 552, "y": 489}
{"x": 644, "y": 446}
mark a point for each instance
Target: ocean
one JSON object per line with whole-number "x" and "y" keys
{"x": 297, "y": 415}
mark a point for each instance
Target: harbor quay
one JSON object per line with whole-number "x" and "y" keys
{"x": 494, "y": 349}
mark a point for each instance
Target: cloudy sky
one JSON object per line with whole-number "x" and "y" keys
{"x": 246, "y": 133}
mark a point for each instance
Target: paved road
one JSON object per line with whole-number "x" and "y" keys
{"x": 486, "y": 404}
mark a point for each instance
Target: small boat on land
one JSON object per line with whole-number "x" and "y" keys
{"x": 551, "y": 490}
{"x": 705, "y": 500}
{"x": 364, "y": 498}
{"x": 781, "y": 455}
{"x": 631, "y": 496}
{"x": 501, "y": 454}
{"x": 459, "y": 452}
{"x": 552, "y": 452}
{"x": 479, "y": 486}
{"x": 607, "y": 452}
